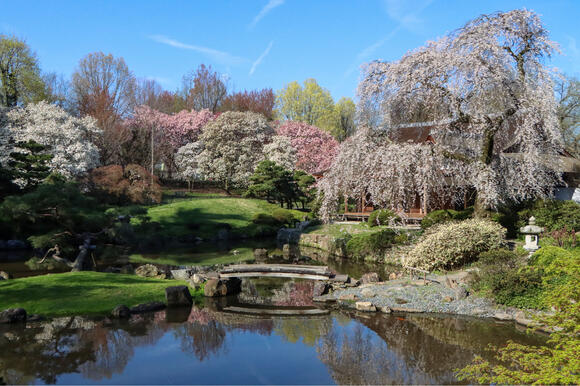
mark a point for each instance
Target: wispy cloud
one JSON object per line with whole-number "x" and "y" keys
{"x": 267, "y": 8}
{"x": 219, "y": 56}
{"x": 261, "y": 57}
{"x": 405, "y": 19}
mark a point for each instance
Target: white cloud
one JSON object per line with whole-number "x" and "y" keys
{"x": 261, "y": 57}
{"x": 218, "y": 56}
{"x": 267, "y": 8}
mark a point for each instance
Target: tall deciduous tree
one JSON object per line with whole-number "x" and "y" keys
{"x": 204, "y": 89}
{"x": 310, "y": 104}
{"x": 345, "y": 111}
{"x": 233, "y": 145}
{"x": 20, "y": 79}
{"x": 568, "y": 98}
{"x": 104, "y": 88}
{"x": 261, "y": 102}
{"x": 489, "y": 81}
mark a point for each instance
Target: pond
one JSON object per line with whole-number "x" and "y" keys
{"x": 269, "y": 334}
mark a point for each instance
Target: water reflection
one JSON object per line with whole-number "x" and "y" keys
{"x": 209, "y": 345}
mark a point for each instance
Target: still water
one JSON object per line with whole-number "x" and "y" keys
{"x": 261, "y": 336}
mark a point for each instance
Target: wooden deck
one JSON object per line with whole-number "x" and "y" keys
{"x": 311, "y": 272}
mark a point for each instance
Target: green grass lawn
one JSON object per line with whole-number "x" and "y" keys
{"x": 204, "y": 214}
{"x": 81, "y": 293}
{"x": 186, "y": 257}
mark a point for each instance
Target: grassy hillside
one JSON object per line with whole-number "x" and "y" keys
{"x": 205, "y": 214}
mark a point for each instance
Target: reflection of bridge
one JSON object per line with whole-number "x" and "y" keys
{"x": 274, "y": 311}
{"x": 311, "y": 272}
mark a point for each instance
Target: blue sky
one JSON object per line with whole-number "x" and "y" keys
{"x": 260, "y": 43}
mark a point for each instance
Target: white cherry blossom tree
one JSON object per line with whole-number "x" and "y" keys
{"x": 488, "y": 85}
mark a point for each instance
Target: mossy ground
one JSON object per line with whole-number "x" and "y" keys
{"x": 81, "y": 293}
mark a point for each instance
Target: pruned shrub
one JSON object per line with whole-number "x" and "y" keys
{"x": 443, "y": 216}
{"x": 283, "y": 216}
{"x": 370, "y": 245}
{"x": 116, "y": 184}
{"x": 549, "y": 254}
{"x": 265, "y": 219}
{"x": 382, "y": 217}
{"x": 451, "y": 245}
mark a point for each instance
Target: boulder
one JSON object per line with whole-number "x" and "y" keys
{"x": 260, "y": 254}
{"x": 450, "y": 283}
{"x": 181, "y": 274}
{"x": 385, "y": 309}
{"x": 121, "y": 312}
{"x": 13, "y": 315}
{"x": 393, "y": 276}
{"x": 198, "y": 279}
{"x": 365, "y": 307}
{"x": 371, "y": 277}
{"x": 5, "y": 275}
{"x": 148, "y": 307}
{"x": 222, "y": 287}
{"x": 348, "y": 297}
{"x": 460, "y": 293}
{"x": 523, "y": 319}
{"x": 502, "y": 316}
{"x": 149, "y": 270}
{"x": 320, "y": 288}
{"x": 178, "y": 296}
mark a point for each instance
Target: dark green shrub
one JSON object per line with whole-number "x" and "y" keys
{"x": 382, "y": 217}
{"x": 401, "y": 238}
{"x": 445, "y": 215}
{"x": 364, "y": 245}
{"x": 283, "y": 216}
{"x": 264, "y": 219}
{"x": 497, "y": 257}
{"x": 517, "y": 287}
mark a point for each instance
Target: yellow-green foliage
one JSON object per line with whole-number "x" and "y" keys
{"x": 450, "y": 245}
{"x": 557, "y": 363}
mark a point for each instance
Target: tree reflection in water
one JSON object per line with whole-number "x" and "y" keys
{"x": 359, "y": 349}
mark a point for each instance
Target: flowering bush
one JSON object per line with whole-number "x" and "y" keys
{"x": 451, "y": 245}
{"x": 131, "y": 183}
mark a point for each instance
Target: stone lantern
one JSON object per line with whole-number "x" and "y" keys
{"x": 531, "y": 231}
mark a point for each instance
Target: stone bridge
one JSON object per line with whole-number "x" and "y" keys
{"x": 311, "y": 272}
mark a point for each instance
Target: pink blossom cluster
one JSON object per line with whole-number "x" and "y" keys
{"x": 315, "y": 148}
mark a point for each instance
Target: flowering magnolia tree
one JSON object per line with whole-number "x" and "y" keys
{"x": 170, "y": 132}
{"x": 68, "y": 139}
{"x": 233, "y": 146}
{"x": 487, "y": 83}
{"x": 315, "y": 149}
{"x": 280, "y": 150}
{"x": 187, "y": 162}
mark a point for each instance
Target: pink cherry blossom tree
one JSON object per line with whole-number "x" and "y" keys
{"x": 315, "y": 148}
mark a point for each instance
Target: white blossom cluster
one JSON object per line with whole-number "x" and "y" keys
{"x": 233, "y": 146}
{"x": 487, "y": 80}
{"x": 186, "y": 160}
{"x": 281, "y": 151}
{"x": 68, "y": 139}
